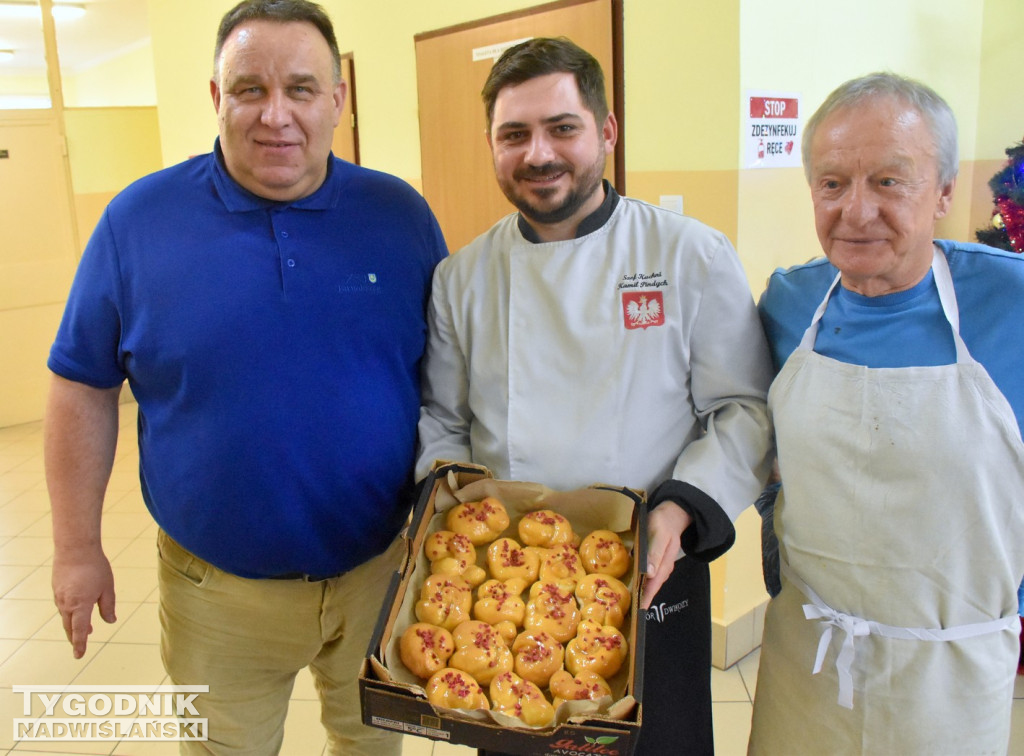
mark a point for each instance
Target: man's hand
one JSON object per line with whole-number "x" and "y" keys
{"x": 665, "y": 526}
{"x": 79, "y": 583}
{"x": 79, "y": 439}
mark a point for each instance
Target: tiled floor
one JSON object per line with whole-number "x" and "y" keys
{"x": 33, "y": 649}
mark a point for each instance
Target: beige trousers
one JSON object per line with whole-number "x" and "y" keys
{"x": 247, "y": 640}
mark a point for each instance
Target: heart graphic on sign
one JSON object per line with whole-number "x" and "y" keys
{"x": 789, "y": 146}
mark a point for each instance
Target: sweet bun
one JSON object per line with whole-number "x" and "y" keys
{"x": 455, "y": 689}
{"x": 545, "y": 528}
{"x": 499, "y": 600}
{"x": 552, "y": 609}
{"x": 447, "y": 543}
{"x": 480, "y": 521}
{"x": 445, "y": 600}
{"x": 507, "y": 630}
{"x": 425, "y": 648}
{"x": 481, "y": 651}
{"x": 603, "y": 551}
{"x": 584, "y": 686}
{"x": 507, "y": 559}
{"x": 603, "y": 599}
{"x": 520, "y": 698}
{"x": 596, "y": 648}
{"x": 472, "y": 573}
{"x": 537, "y": 657}
{"x": 453, "y": 554}
{"x": 561, "y": 564}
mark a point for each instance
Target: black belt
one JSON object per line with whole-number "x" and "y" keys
{"x": 304, "y": 577}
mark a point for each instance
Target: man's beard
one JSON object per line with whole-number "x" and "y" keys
{"x": 589, "y": 181}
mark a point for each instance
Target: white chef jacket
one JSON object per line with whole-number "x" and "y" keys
{"x": 629, "y": 356}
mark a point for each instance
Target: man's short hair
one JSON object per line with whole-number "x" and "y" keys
{"x": 542, "y": 56}
{"x": 934, "y": 110}
{"x": 279, "y": 11}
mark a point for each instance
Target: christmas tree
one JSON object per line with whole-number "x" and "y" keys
{"x": 1007, "y": 229}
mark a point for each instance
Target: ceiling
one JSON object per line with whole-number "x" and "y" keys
{"x": 109, "y": 28}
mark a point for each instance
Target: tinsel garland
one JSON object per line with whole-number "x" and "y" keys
{"x": 1007, "y": 228}
{"x": 1009, "y": 182}
{"x": 1012, "y": 215}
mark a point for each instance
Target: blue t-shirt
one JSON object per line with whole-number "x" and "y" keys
{"x": 903, "y": 329}
{"x": 273, "y": 349}
{"x": 908, "y": 328}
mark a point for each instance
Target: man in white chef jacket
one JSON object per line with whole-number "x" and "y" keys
{"x": 590, "y": 338}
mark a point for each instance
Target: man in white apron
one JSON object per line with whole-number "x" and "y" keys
{"x": 896, "y": 413}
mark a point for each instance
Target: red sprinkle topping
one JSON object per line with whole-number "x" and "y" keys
{"x": 535, "y": 653}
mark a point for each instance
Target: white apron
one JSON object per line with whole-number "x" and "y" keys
{"x": 902, "y": 529}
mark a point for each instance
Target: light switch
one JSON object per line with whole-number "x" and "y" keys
{"x": 673, "y": 202}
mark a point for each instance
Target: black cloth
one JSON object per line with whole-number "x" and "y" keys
{"x": 676, "y": 694}
{"x": 765, "y": 505}
{"x": 712, "y": 533}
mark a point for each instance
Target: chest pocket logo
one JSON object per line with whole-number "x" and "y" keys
{"x": 643, "y": 309}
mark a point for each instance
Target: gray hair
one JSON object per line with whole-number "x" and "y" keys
{"x": 934, "y": 110}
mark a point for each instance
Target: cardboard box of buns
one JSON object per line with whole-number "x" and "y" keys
{"x": 513, "y": 625}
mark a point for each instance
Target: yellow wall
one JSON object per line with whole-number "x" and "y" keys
{"x": 24, "y": 85}
{"x": 681, "y": 102}
{"x": 182, "y": 36}
{"x": 125, "y": 79}
{"x": 964, "y": 49}
{"x": 108, "y": 148}
{"x": 784, "y": 48}
{"x": 1000, "y": 105}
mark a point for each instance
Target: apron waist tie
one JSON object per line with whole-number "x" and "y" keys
{"x": 854, "y": 627}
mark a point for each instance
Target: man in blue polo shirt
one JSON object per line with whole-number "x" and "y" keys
{"x": 266, "y": 304}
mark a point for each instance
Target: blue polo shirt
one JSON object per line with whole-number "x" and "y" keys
{"x": 273, "y": 348}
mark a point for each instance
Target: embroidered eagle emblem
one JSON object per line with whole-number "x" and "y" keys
{"x": 642, "y": 309}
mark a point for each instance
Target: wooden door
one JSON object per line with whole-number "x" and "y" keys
{"x": 346, "y": 135}
{"x": 452, "y": 65}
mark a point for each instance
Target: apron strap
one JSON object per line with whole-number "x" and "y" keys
{"x": 854, "y": 627}
{"x": 947, "y": 297}
{"x": 807, "y": 342}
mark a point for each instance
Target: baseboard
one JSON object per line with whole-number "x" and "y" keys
{"x": 731, "y": 641}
